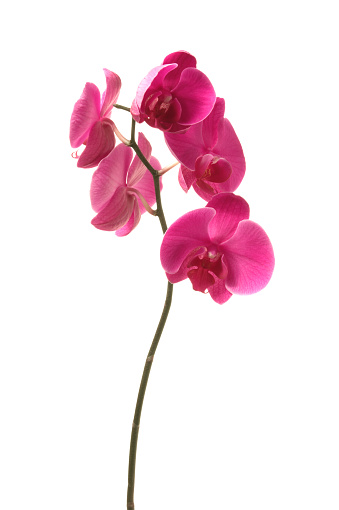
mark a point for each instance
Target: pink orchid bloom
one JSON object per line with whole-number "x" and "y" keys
{"x": 219, "y": 249}
{"x": 211, "y": 156}
{"x": 122, "y": 188}
{"x": 175, "y": 95}
{"x": 91, "y": 124}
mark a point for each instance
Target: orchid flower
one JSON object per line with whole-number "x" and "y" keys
{"x": 175, "y": 95}
{"x": 122, "y": 189}
{"x": 210, "y": 154}
{"x": 219, "y": 249}
{"x": 90, "y": 121}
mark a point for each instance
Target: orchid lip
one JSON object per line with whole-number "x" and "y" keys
{"x": 205, "y": 268}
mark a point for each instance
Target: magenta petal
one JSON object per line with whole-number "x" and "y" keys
{"x": 156, "y": 165}
{"x": 137, "y": 168}
{"x": 190, "y": 231}
{"x": 195, "y": 94}
{"x": 186, "y": 147}
{"x": 229, "y": 147}
{"x": 211, "y": 123}
{"x": 181, "y": 274}
{"x": 186, "y": 178}
{"x": 184, "y": 60}
{"x": 117, "y": 212}
{"x": 132, "y": 222}
{"x": 230, "y": 210}
{"x": 85, "y": 113}
{"x": 100, "y": 142}
{"x": 218, "y": 292}
{"x": 204, "y": 189}
{"x": 135, "y": 111}
{"x": 207, "y": 190}
{"x": 249, "y": 257}
{"x": 111, "y": 93}
{"x": 110, "y": 174}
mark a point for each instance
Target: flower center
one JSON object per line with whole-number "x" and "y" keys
{"x": 205, "y": 269}
{"x": 162, "y": 110}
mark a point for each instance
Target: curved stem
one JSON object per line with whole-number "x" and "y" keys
{"x": 140, "y": 399}
{"x": 161, "y": 325}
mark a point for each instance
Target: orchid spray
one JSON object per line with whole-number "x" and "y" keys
{"x": 217, "y": 247}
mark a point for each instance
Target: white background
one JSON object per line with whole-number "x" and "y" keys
{"x": 241, "y": 411}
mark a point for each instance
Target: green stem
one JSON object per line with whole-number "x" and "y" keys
{"x": 121, "y": 107}
{"x": 161, "y": 325}
{"x": 140, "y": 399}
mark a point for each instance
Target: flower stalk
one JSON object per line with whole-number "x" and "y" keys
{"x": 140, "y": 399}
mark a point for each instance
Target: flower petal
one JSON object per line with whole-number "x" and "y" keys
{"x": 218, "y": 292}
{"x": 195, "y": 94}
{"x": 181, "y": 274}
{"x": 110, "y": 174}
{"x": 204, "y": 190}
{"x": 211, "y": 123}
{"x": 111, "y": 93}
{"x": 117, "y": 212}
{"x": 135, "y": 110}
{"x": 156, "y": 165}
{"x": 190, "y": 231}
{"x": 101, "y": 141}
{"x": 137, "y": 168}
{"x": 208, "y": 190}
{"x": 86, "y": 112}
{"x": 229, "y": 147}
{"x": 249, "y": 257}
{"x": 186, "y": 147}
{"x": 184, "y": 60}
{"x": 230, "y": 210}
{"x": 186, "y": 178}
{"x": 132, "y": 222}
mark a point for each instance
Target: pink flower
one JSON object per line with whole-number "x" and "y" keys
{"x": 120, "y": 188}
{"x": 210, "y": 154}
{"x": 90, "y": 122}
{"x": 219, "y": 249}
{"x": 175, "y": 95}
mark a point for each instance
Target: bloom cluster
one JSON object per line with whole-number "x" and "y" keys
{"x": 216, "y": 247}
